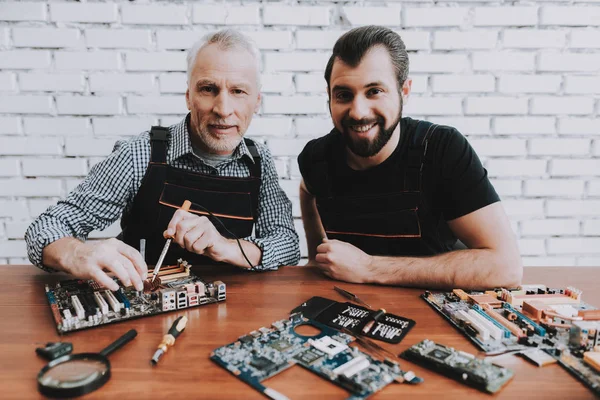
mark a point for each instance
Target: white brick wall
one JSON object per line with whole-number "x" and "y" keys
{"x": 228, "y": 14}
{"x": 520, "y": 80}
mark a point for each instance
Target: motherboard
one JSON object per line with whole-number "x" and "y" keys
{"x": 265, "y": 352}
{"x": 459, "y": 365}
{"x": 80, "y": 304}
{"x": 554, "y": 320}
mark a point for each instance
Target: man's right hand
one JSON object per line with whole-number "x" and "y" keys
{"x": 92, "y": 260}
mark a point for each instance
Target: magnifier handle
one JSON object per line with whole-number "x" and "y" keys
{"x": 120, "y": 342}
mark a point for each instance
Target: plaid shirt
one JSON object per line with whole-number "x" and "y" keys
{"x": 110, "y": 187}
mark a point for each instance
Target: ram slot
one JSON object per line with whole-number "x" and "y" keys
{"x": 538, "y": 329}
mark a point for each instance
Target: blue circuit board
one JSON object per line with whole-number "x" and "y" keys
{"x": 266, "y": 352}
{"x": 463, "y": 314}
{"x": 555, "y": 321}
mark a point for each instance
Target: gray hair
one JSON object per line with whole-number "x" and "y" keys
{"x": 226, "y": 39}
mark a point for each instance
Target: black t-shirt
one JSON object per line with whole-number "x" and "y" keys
{"x": 454, "y": 183}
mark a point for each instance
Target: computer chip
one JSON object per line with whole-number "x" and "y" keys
{"x": 263, "y": 364}
{"x": 246, "y": 339}
{"x": 309, "y": 356}
{"x": 280, "y": 345}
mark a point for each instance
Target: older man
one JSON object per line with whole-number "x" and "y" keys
{"x": 230, "y": 180}
{"x": 384, "y": 198}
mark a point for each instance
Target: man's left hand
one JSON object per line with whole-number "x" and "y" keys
{"x": 343, "y": 261}
{"x": 197, "y": 235}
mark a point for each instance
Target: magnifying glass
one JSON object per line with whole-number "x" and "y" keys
{"x": 77, "y": 374}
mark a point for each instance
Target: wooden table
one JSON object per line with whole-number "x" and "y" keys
{"x": 253, "y": 300}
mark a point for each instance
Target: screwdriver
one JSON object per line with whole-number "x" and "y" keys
{"x": 169, "y": 339}
{"x": 374, "y": 318}
{"x": 186, "y": 207}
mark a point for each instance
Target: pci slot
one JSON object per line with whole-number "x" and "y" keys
{"x": 495, "y": 332}
{"x": 513, "y": 328}
{"x": 483, "y": 333}
{"x": 112, "y": 300}
{"x": 101, "y": 303}
{"x": 492, "y": 320}
{"x": 78, "y": 307}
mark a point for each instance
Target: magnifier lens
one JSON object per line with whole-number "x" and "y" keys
{"x": 73, "y": 373}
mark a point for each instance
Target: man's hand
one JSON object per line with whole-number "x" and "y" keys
{"x": 343, "y": 261}
{"x": 198, "y": 235}
{"x": 91, "y": 260}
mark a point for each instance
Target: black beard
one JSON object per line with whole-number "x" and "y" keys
{"x": 365, "y": 147}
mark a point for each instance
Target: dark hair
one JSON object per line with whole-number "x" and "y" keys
{"x": 352, "y": 46}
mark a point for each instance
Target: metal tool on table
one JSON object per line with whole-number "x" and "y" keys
{"x": 186, "y": 206}
{"x": 351, "y": 296}
{"x": 373, "y": 319}
{"x": 77, "y": 374}
{"x": 169, "y": 339}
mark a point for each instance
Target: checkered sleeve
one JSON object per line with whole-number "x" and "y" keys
{"x": 275, "y": 233}
{"x": 93, "y": 205}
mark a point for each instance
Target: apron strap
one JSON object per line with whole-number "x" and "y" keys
{"x": 255, "y": 168}
{"x": 159, "y": 137}
{"x": 417, "y": 155}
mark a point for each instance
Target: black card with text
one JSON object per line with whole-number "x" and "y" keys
{"x": 390, "y": 328}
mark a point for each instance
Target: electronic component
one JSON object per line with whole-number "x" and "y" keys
{"x": 309, "y": 356}
{"x": 352, "y": 367}
{"x": 538, "y": 357}
{"x": 280, "y": 345}
{"x": 79, "y": 304}
{"x": 458, "y": 365}
{"x": 534, "y": 324}
{"x": 328, "y": 345}
{"x": 592, "y": 359}
{"x": 54, "y": 350}
{"x": 265, "y": 352}
{"x": 220, "y": 290}
{"x": 578, "y": 367}
{"x": 543, "y": 324}
{"x": 182, "y": 299}
{"x": 584, "y": 334}
{"x": 589, "y": 314}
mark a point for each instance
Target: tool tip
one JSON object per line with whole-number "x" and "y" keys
{"x": 156, "y": 356}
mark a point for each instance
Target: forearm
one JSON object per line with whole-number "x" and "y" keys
{"x": 467, "y": 269}
{"x": 46, "y": 230}
{"x": 234, "y": 255}
{"x": 57, "y": 253}
{"x": 314, "y": 233}
{"x": 313, "y": 228}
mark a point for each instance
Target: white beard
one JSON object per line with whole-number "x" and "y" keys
{"x": 225, "y": 144}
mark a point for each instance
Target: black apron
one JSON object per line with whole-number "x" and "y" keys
{"x": 164, "y": 189}
{"x": 398, "y": 223}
